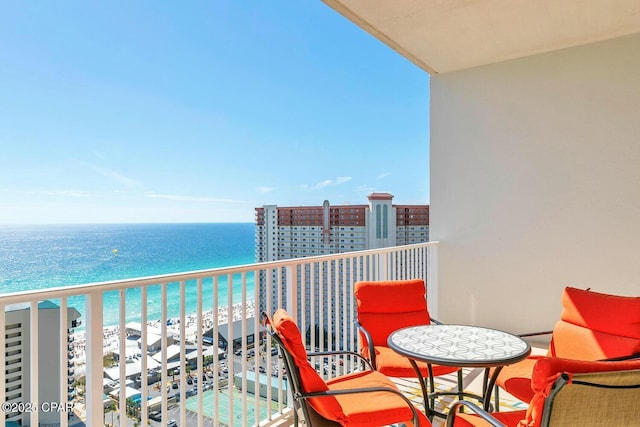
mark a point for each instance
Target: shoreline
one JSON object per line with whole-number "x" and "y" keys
{"x": 111, "y": 334}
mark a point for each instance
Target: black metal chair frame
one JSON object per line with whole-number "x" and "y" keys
{"x": 300, "y": 397}
{"x": 427, "y": 385}
{"x": 548, "y": 406}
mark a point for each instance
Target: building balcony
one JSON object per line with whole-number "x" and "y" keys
{"x": 225, "y": 301}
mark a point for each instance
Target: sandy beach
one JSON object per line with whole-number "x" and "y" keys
{"x": 111, "y": 335}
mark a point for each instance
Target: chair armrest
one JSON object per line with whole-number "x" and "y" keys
{"x": 398, "y": 393}
{"x": 341, "y": 353}
{"x": 621, "y": 358}
{"x": 367, "y": 335}
{"x": 534, "y": 334}
{"x": 453, "y": 410}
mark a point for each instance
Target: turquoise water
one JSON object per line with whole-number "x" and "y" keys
{"x": 45, "y": 256}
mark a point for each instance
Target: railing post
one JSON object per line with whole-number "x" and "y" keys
{"x": 34, "y": 383}
{"x": 2, "y": 359}
{"x": 64, "y": 361}
{"x": 291, "y": 284}
{"x": 94, "y": 363}
{"x": 432, "y": 279}
{"x": 382, "y": 268}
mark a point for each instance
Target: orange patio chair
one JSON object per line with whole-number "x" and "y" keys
{"x": 362, "y": 398}
{"x": 385, "y": 306}
{"x": 568, "y": 392}
{"x": 592, "y": 326}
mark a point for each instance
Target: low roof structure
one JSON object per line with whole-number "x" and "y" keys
{"x": 129, "y": 392}
{"x": 132, "y": 368}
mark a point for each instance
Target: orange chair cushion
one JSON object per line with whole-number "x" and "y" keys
{"x": 611, "y": 314}
{"x": 516, "y": 378}
{"x": 384, "y": 306}
{"x": 596, "y": 326}
{"x": 592, "y": 326}
{"x": 509, "y": 419}
{"x": 384, "y": 296}
{"x": 576, "y": 342}
{"x": 394, "y": 365}
{"x": 372, "y": 408}
{"x": 288, "y": 331}
{"x": 546, "y": 371}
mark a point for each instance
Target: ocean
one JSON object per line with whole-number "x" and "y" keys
{"x": 46, "y": 256}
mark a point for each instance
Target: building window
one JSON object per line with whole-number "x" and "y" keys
{"x": 385, "y": 223}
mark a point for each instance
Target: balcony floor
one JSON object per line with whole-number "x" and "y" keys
{"x": 445, "y": 383}
{"x": 448, "y": 383}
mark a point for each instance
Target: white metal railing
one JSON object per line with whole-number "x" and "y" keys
{"x": 317, "y": 291}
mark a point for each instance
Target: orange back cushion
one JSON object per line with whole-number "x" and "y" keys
{"x": 547, "y": 369}
{"x": 596, "y": 326}
{"x": 384, "y": 306}
{"x": 291, "y": 337}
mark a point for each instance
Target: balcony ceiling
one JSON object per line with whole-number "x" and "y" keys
{"x": 442, "y": 36}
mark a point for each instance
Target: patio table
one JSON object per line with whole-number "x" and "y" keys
{"x": 460, "y": 346}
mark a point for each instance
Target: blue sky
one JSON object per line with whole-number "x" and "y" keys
{"x": 200, "y": 111}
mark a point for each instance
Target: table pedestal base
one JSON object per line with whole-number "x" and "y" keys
{"x": 430, "y": 395}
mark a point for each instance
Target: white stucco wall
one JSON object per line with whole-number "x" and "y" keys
{"x": 535, "y": 183}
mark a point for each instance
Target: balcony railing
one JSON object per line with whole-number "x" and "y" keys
{"x": 217, "y": 304}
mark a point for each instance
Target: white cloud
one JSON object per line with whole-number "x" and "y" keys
{"x": 181, "y": 198}
{"x": 383, "y": 175}
{"x": 265, "y": 190}
{"x": 63, "y": 193}
{"x": 69, "y": 193}
{"x": 323, "y": 184}
{"x": 327, "y": 182}
{"x": 113, "y": 175}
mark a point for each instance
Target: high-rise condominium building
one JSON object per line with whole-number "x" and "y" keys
{"x": 17, "y": 362}
{"x": 303, "y": 231}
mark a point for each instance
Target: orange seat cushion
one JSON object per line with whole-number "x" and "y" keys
{"x": 311, "y": 381}
{"x": 509, "y": 419}
{"x": 394, "y": 365}
{"x": 372, "y": 408}
{"x": 516, "y": 379}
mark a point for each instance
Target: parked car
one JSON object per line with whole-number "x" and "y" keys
{"x": 172, "y": 423}
{"x": 155, "y": 415}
